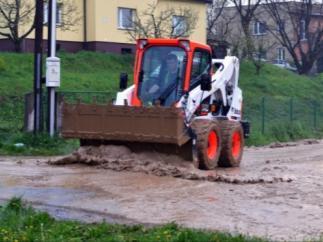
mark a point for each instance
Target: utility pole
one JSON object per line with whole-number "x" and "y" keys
{"x": 49, "y": 39}
{"x": 38, "y": 124}
{"x": 52, "y": 68}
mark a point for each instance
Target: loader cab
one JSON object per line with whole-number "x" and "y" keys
{"x": 166, "y": 69}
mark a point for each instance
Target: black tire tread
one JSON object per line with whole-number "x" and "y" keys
{"x": 201, "y": 129}
{"x": 227, "y": 128}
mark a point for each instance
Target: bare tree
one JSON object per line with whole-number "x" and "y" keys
{"x": 261, "y": 46}
{"x": 214, "y": 12}
{"x": 15, "y": 15}
{"x": 300, "y": 30}
{"x": 246, "y": 10}
{"x": 70, "y": 15}
{"x": 167, "y": 23}
{"x": 218, "y": 26}
{"x": 17, "y": 19}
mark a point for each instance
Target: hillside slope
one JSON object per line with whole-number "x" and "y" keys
{"x": 88, "y": 71}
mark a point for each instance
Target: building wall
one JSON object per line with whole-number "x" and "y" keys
{"x": 106, "y": 18}
{"x": 235, "y": 37}
{"x": 75, "y": 34}
{"x": 199, "y": 33}
{"x": 102, "y": 32}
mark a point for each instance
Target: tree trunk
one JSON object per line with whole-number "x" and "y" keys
{"x": 17, "y": 45}
{"x": 248, "y": 39}
{"x": 305, "y": 69}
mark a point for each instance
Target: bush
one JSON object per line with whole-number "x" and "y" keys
{"x": 2, "y": 65}
{"x": 15, "y": 204}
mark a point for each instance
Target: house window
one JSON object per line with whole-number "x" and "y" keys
{"x": 259, "y": 28}
{"x": 179, "y": 26}
{"x": 281, "y": 55}
{"x": 303, "y": 30}
{"x": 126, "y": 18}
{"x": 58, "y": 14}
{"x": 281, "y": 26}
{"x": 260, "y": 55}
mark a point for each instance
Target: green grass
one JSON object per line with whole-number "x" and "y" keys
{"x": 20, "y": 223}
{"x": 88, "y": 71}
{"x": 27, "y": 144}
{"x": 276, "y": 82}
{"x": 278, "y": 86}
{"x": 84, "y": 71}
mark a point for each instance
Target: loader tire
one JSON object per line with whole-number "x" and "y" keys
{"x": 208, "y": 144}
{"x": 232, "y": 144}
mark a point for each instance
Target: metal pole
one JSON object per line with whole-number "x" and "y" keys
{"x": 49, "y": 39}
{"x": 263, "y": 116}
{"x": 291, "y": 110}
{"x": 315, "y": 115}
{"x": 51, "y": 90}
{"x": 38, "y": 66}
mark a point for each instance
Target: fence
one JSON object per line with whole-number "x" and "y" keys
{"x": 264, "y": 113}
{"x": 269, "y": 113}
{"x": 11, "y": 114}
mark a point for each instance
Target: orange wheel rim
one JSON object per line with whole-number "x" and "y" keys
{"x": 236, "y": 144}
{"x": 212, "y": 145}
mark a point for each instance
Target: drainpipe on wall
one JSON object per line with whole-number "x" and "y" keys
{"x": 85, "y": 47}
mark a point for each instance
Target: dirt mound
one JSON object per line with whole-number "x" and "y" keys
{"x": 291, "y": 144}
{"x": 121, "y": 158}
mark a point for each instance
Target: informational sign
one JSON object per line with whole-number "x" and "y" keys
{"x": 53, "y": 72}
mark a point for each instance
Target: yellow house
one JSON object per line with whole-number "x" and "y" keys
{"x": 104, "y": 24}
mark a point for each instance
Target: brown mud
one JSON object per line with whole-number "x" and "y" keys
{"x": 121, "y": 158}
{"x": 280, "y": 211}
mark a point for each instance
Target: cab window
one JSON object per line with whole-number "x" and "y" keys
{"x": 201, "y": 65}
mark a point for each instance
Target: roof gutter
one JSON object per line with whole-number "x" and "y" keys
{"x": 85, "y": 24}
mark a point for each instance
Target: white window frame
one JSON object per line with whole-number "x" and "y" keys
{"x": 58, "y": 14}
{"x": 303, "y": 30}
{"x": 256, "y": 28}
{"x": 281, "y": 55}
{"x": 120, "y": 17}
{"x": 182, "y": 26}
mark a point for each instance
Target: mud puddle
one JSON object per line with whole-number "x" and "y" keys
{"x": 280, "y": 211}
{"x": 121, "y": 158}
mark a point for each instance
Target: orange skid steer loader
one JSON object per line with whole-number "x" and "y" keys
{"x": 180, "y": 98}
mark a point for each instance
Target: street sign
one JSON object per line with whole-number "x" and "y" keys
{"x": 53, "y": 72}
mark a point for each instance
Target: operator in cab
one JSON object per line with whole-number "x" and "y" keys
{"x": 163, "y": 82}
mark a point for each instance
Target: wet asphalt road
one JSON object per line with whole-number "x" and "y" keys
{"x": 291, "y": 209}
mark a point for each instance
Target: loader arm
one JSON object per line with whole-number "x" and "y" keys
{"x": 227, "y": 74}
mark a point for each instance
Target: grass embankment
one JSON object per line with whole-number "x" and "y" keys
{"x": 293, "y": 104}
{"x": 22, "y": 223}
{"x": 86, "y": 71}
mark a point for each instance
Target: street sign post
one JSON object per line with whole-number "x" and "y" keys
{"x": 52, "y": 68}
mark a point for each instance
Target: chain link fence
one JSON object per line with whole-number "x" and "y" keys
{"x": 266, "y": 114}
{"x": 11, "y": 114}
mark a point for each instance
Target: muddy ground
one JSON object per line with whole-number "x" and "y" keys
{"x": 276, "y": 193}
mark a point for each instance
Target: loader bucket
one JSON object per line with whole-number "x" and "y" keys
{"x": 124, "y": 123}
